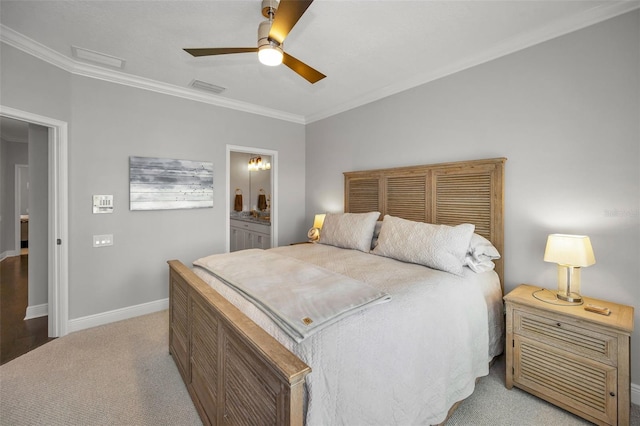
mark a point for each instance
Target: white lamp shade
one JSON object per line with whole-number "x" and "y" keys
{"x": 319, "y": 221}
{"x": 569, "y": 250}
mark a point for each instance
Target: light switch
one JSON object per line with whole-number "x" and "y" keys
{"x": 102, "y": 204}
{"x": 103, "y": 240}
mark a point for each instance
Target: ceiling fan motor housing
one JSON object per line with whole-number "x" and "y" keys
{"x": 269, "y": 51}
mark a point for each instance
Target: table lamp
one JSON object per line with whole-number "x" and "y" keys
{"x": 314, "y": 232}
{"x": 570, "y": 252}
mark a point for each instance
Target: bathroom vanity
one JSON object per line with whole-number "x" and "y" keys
{"x": 250, "y": 232}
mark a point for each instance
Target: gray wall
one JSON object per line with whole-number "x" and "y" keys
{"x": 103, "y": 136}
{"x": 566, "y": 115}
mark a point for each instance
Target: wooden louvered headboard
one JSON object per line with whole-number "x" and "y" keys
{"x": 446, "y": 193}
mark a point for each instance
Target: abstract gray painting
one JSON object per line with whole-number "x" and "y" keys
{"x": 163, "y": 183}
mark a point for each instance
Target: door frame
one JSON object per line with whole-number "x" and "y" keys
{"x": 58, "y": 254}
{"x": 18, "y": 200}
{"x": 274, "y": 190}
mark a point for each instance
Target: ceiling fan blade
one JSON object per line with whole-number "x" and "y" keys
{"x": 304, "y": 70}
{"x": 220, "y": 50}
{"x": 287, "y": 14}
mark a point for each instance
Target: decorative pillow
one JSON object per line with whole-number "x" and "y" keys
{"x": 349, "y": 230}
{"x": 436, "y": 246}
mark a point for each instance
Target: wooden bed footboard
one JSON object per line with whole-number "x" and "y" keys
{"x": 235, "y": 372}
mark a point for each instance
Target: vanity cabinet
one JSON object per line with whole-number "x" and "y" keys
{"x": 246, "y": 235}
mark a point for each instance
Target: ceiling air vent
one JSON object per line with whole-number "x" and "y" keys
{"x": 207, "y": 87}
{"x": 97, "y": 57}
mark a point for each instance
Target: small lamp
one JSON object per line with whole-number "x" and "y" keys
{"x": 314, "y": 232}
{"x": 570, "y": 252}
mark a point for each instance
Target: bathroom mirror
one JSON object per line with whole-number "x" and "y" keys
{"x": 252, "y": 184}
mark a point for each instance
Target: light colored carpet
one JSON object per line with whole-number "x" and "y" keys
{"x": 122, "y": 374}
{"x": 116, "y": 374}
{"x": 493, "y": 404}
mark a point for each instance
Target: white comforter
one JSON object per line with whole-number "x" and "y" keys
{"x": 406, "y": 361}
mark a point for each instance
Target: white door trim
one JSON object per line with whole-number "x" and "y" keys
{"x": 274, "y": 190}
{"x": 58, "y": 217}
{"x": 18, "y": 201}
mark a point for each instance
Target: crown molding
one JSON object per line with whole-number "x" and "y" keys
{"x": 557, "y": 29}
{"x": 38, "y": 50}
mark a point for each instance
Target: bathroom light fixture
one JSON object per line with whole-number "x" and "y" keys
{"x": 256, "y": 163}
{"x": 570, "y": 252}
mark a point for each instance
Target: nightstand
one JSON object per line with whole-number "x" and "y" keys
{"x": 575, "y": 359}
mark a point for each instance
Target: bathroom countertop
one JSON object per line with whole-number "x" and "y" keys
{"x": 251, "y": 219}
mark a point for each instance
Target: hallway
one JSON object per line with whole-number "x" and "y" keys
{"x": 17, "y": 336}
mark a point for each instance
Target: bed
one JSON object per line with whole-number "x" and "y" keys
{"x": 380, "y": 364}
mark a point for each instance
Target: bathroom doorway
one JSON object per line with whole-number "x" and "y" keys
{"x": 258, "y": 191}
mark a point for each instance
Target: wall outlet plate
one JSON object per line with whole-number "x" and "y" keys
{"x": 103, "y": 240}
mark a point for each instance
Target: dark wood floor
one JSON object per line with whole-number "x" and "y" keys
{"x": 17, "y": 336}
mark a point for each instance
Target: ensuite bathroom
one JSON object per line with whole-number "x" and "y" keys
{"x": 250, "y": 184}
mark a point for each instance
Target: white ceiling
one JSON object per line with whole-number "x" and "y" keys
{"x": 368, "y": 49}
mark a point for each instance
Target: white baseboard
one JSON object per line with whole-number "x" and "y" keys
{"x": 635, "y": 393}
{"x": 8, "y": 253}
{"x": 116, "y": 315}
{"x": 37, "y": 311}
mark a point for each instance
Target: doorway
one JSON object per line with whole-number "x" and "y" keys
{"x": 273, "y": 199}
{"x": 57, "y": 216}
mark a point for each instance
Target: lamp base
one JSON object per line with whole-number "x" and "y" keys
{"x": 569, "y": 297}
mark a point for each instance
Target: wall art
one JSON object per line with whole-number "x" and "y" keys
{"x": 163, "y": 183}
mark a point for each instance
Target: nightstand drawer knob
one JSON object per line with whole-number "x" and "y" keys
{"x": 612, "y": 394}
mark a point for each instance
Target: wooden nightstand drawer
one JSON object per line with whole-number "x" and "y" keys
{"x": 564, "y": 334}
{"x": 567, "y": 380}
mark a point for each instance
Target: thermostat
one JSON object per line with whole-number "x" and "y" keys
{"x": 102, "y": 204}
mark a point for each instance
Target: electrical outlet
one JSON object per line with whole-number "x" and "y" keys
{"x": 103, "y": 240}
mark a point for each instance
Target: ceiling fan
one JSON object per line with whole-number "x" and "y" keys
{"x": 271, "y": 34}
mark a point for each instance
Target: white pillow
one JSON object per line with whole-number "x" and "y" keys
{"x": 481, "y": 254}
{"x": 477, "y": 265}
{"x": 480, "y": 247}
{"x": 436, "y": 246}
{"x": 349, "y": 230}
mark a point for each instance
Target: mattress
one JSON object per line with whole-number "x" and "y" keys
{"x": 403, "y": 362}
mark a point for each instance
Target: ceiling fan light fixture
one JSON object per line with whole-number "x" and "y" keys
{"x": 269, "y": 51}
{"x": 270, "y": 55}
